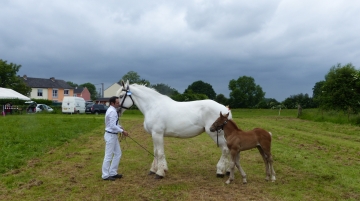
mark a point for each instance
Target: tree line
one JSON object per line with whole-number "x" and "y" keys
{"x": 340, "y": 90}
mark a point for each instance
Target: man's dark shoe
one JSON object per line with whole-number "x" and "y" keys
{"x": 110, "y": 179}
{"x": 118, "y": 176}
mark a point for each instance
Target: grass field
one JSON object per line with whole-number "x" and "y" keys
{"x": 59, "y": 157}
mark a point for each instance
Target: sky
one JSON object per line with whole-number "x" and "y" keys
{"x": 286, "y": 46}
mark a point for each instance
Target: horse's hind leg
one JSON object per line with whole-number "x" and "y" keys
{"x": 271, "y": 167}
{"x": 267, "y": 167}
{"x": 242, "y": 172}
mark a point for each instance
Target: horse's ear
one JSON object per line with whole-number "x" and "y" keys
{"x": 221, "y": 114}
{"x": 122, "y": 83}
{"x": 227, "y": 115}
{"x": 127, "y": 84}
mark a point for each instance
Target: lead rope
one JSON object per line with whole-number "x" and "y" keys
{"x": 218, "y": 131}
{"x": 123, "y": 137}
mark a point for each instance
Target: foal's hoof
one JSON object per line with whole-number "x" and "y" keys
{"x": 158, "y": 177}
{"x": 220, "y": 175}
{"x": 151, "y": 173}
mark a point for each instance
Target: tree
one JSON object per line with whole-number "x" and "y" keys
{"x": 134, "y": 77}
{"x": 268, "y": 103}
{"x": 245, "y": 93}
{"x": 300, "y": 99}
{"x": 201, "y": 87}
{"x": 317, "y": 93}
{"x": 72, "y": 84}
{"x": 341, "y": 90}
{"x": 9, "y": 79}
{"x": 92, "y": 90}
{"x": 188, "y": 96}
{"x": 220, "y": 98}
{"x": 165, "y": 89}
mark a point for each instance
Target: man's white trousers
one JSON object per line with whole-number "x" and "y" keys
{"x": 112, "y": 155}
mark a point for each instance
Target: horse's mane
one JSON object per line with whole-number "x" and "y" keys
{"x": 235, "y": 125}
{"x": 144, "y": 86}
{"x": 150, "y": 90}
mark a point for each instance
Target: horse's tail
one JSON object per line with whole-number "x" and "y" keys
{"x": 270, "y": 134}
{"x": 230, "y": 115}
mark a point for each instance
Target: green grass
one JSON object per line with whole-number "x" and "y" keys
{"x": 337, "y": 117}
{"x": 59, "y": 157}
{"x": 27, "y": 136}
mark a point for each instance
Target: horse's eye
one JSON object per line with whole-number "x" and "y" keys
{"x": 121, "y": 96}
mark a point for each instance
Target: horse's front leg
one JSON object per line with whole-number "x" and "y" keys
{"x": 222, "y": 165}
{"x": 159, "y": 165}
{"x": 232, "y": 168}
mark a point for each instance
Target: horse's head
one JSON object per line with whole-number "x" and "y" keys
{"x": 219, "y": 122}
{"x": 125, "y": 98}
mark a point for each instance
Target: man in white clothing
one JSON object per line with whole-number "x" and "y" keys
{"x": 112, "y": 147}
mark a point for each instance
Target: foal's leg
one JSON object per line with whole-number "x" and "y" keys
{"x": 267, "y": 167}
{"x": 271, "y": 167}
{"x": 242, "y": 172}
{"x": 232, "y": 166}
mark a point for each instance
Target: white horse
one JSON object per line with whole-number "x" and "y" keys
{"x": 165, "y": 117}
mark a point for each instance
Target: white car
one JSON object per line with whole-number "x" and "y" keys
{"x": 43, "y": 107}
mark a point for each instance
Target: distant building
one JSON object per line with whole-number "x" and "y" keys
{"x": 48, "y": 88}
{"x": 82, "y": 92}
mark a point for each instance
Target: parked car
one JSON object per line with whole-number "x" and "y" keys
{"x": 96, "y": 109}
{"x": 89, "y": 103}
{"x": 43, "y": 107}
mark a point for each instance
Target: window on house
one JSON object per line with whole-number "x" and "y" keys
{"x": 66, "y": 92}
{"x": 40, "y": 92}
{"x": 55, "y": 93}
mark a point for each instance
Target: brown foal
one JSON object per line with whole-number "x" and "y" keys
{"x": 238, "y": 140}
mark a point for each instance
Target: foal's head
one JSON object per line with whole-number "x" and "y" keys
{"x": 219, "y": 122}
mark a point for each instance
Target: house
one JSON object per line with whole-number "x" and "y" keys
{"x": 50, "y": 89}
{"x": 82, "y": 92}
{"x": 111, "y": 91}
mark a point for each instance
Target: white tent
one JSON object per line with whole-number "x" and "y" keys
{"x": 11, "y": 94}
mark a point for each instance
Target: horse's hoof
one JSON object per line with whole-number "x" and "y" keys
{"x": 151, "y": 173}
{"x": 227, "y": 173}
{"x": 158, "y": 177}
{"x": 220, "y": 175}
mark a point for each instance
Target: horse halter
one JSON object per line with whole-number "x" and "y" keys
{"x": 218, "y": 128}
{"x": 128, "y": 93}
{"x": 222, "y": 125}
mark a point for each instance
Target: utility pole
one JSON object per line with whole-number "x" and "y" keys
{"x": 102, "y": 91}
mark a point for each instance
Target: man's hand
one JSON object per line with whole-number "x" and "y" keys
{"x": 125, "y": 133}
